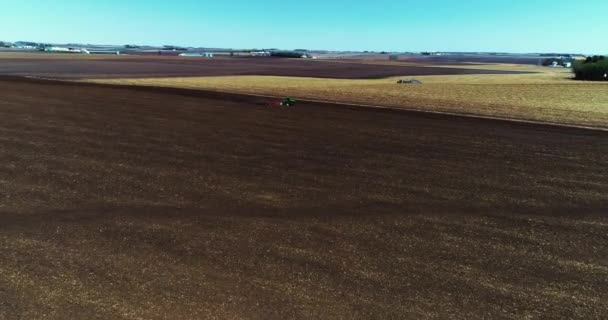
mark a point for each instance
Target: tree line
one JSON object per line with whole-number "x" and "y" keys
{"x": 593, "y": 69}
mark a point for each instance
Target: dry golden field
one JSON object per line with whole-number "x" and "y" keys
{"x": 548, "y": 95}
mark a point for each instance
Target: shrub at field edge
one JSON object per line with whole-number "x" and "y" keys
{"x": 593, "y": 69}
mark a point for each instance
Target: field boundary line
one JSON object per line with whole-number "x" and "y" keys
{"x": 175, "y": 89}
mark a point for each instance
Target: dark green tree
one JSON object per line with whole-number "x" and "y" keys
{"x": 592, "y": 69}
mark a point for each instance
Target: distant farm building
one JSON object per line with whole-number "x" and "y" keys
{"x": 191, "y": 54}
{"x": 197, "y": 54}
{"x": 260, "y": 54}
{"x": 65, "y": 50}
{"x": 25, "y": 45}
{"x": 565, "y": 62}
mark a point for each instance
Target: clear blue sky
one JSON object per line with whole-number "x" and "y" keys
{"x": 395, "y": 25}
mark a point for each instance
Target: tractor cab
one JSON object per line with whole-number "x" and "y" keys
{"x": 288, "y": 102}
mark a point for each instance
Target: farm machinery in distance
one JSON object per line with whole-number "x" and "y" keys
{"x": 285, "y": 102}
{"x": 288, "y": 102}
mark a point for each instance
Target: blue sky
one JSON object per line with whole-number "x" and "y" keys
{"x": 395, "y": 25}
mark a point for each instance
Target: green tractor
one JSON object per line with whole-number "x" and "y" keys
{"x": 288, "y": 102}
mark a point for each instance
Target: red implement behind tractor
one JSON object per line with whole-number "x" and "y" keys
{"x": 286, "y": 102}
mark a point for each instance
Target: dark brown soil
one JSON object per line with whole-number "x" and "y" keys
{"x": 134, "y": 67}
{"x": 452, "y": 59}
{"x": 468, "y": 59}
{"x": 140, "y": 203}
